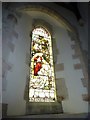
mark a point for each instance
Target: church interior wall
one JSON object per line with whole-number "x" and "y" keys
{"x": 15, "y": 81}
{"x": 13, "y": 95}
{"x": 72, "y": 77}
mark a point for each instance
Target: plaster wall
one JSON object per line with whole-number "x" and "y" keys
{"x": 16, "y": 78}
{"x": 74, "y": 102}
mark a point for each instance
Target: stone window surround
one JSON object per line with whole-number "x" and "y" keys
{"x": 39, "y": 22}
{"x": 35, "y": 24}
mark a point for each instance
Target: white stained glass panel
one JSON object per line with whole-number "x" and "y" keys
{"x": 42, "y": 81}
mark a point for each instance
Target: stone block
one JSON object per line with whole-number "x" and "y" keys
{"x": 77, "y": 66}
{"x": 4, "y": 84}
{"x": 84, "y": 82}
{"x": 44, "y": 108}
{"x": 28, "y": 59}
{"x": 59, "y": 67}
{"x": 73, "y": 46}
{"x": 77, "y": 51}
{"x": 15, "y": 34}
{"x": 4, "y": 109}
{"x": 75, "y": 56}
{"x": 11, "y": 46}
{"x": 86, "y": 97}
{"x": 26, "y": 91}
{"x": 61, "y": 89}
{"x": 12, "y": 17}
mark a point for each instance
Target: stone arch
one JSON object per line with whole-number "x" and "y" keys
{"x": 50, "y": 12}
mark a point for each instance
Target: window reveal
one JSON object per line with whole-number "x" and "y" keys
{"x": 42, "y": 81}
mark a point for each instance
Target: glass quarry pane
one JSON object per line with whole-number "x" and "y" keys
{"x": 41, "y": 94}
{"x": 31, "y": 93}
{"x": 52, "y": 94}
{"x": 37, "y": 99}
{"x": 47, "y": 100}
{"x": 42, "y": 89}
{"x": 47, "y": 94}
{"x": 36, "y": 94}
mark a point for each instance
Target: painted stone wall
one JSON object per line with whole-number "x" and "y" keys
{"x": 71, "y": 74}
{"x": 16, "y": 46}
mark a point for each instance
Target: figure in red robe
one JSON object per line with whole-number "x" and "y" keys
{"x": 38, "y": 65}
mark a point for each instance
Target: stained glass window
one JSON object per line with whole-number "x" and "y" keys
{"x": 42, "y": 81}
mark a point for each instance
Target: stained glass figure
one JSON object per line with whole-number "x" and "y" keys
{"x": 42, "y": 81}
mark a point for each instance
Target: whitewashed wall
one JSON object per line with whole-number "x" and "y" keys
{"x": 16, "y": 78}
{"x": 74, "y": 102}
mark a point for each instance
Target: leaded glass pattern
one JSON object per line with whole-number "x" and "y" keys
{"x": 42, "y": 81}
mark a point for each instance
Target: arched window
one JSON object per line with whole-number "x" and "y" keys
{"x": 42, "y": 80}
